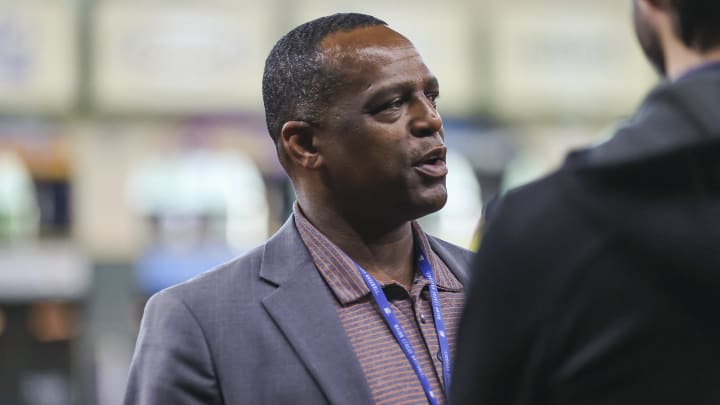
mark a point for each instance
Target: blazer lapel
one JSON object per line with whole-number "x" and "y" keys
{"x": 304, "y": 310}
{"x": 457, "y": 262}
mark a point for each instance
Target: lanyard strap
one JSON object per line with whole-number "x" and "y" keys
{"x": 399, "y": 333}
{"x": 426, "y": 271}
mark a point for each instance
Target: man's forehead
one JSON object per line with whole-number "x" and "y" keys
{"x": 368, "y": 56}
{"x": 374, "y": 39}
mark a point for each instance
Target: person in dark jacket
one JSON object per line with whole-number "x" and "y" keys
{"x": 600, "y": 284}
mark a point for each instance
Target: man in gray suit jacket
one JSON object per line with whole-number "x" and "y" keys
{"x": 352, "y": 110}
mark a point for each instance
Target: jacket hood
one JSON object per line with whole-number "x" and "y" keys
{"x": 675, "y": 115}
{"x": 655, "y": 186}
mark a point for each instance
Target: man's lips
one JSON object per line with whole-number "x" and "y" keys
{"x": 437, "y": 169}
{"x": 432, "y": 164}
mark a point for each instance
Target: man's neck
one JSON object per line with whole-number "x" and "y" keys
{"x": 681, "y": 60}
{"x": 386, "y": 253}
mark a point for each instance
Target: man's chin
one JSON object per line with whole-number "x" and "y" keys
{"x": 431, "y": 203}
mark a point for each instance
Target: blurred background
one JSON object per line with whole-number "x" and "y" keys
{"x": 134, "y": 154}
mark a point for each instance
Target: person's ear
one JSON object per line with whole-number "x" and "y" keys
{"x": 297, "y": 140}
{"x": 655, "y": 5}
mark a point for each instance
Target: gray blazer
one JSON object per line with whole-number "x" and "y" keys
{"x": 261, "y": 329}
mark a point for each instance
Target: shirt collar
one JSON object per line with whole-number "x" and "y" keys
{"x": 702, "y": 68}
{"x": 339, "y": 271}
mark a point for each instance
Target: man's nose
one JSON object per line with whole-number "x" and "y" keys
{"x": 425, "y": 120}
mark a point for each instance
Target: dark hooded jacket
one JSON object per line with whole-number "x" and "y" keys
{"x": 600, "y": 284}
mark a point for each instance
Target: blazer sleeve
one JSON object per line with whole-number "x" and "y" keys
{"x": 172, "y": 363}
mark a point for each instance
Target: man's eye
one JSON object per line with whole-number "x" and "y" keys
{"x": 393, "y": 104}
{"x": 433, "y": 98}
{"x": 396, "y": 103}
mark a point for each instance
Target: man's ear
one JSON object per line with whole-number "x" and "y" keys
{"x": 297, "y": 140}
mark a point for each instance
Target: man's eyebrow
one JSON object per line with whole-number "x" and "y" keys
{"x": 403, "y": 87}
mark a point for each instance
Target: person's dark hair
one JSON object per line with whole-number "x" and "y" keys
{"x": 697, "y": 22}
{"x": 296, "y": 84}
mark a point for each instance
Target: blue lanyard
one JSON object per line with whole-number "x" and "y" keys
{"x": 399, "y": 332}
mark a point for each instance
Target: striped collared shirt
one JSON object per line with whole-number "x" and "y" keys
{"x": 388, "y": 372}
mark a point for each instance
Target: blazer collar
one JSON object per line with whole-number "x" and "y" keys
{"x": 454, "y": 260}
{"x": 279, "y": 264}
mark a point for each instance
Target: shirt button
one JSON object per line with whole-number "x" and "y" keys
{"x": 422, "y": 318}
